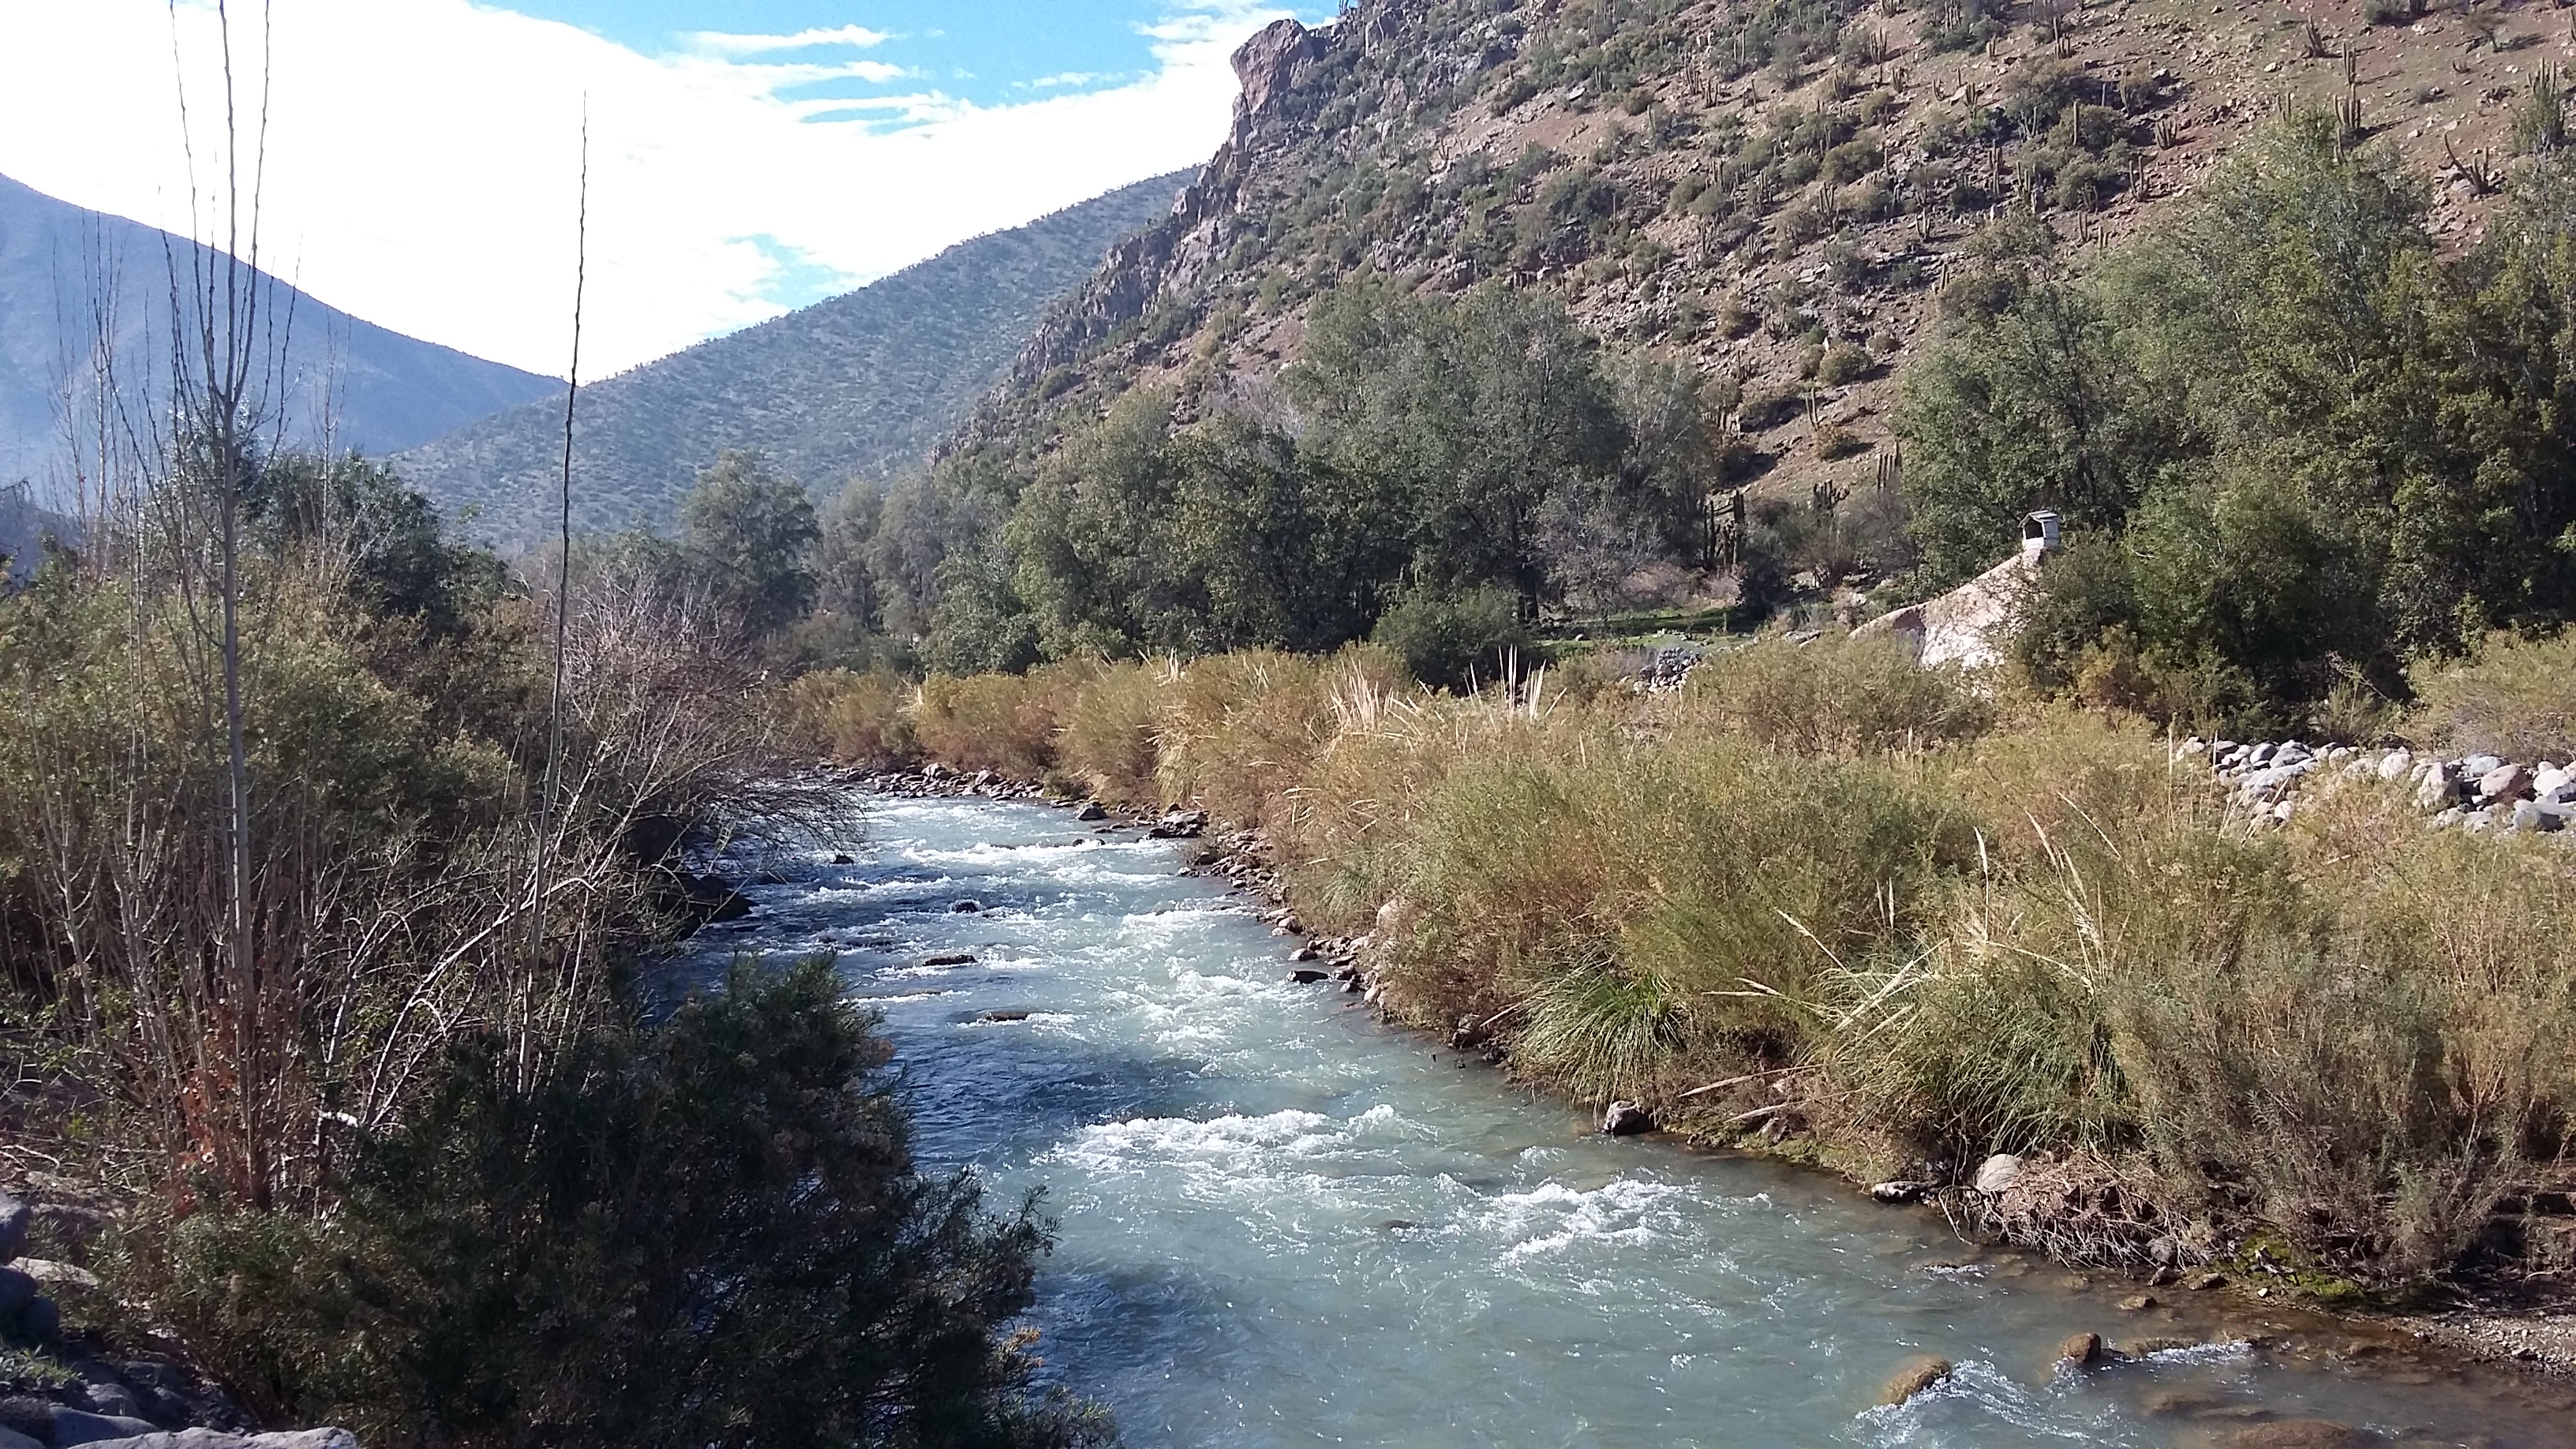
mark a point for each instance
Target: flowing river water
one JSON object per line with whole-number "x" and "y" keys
{"x": 1284, "y": 1223}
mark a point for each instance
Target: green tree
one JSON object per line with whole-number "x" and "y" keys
{"x": 2319, "y": 449}
{"x": 753, "y": 536}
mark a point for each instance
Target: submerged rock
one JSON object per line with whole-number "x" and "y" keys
{"x": 2295, "y": 1434}
{"x": 2081, "y": 1350}
{"x": 1914, "y": 1377}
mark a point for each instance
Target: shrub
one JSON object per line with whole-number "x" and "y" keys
{"x": 1005, "y": 723}
{"x": 1834, "y": 697}
{"x": 1834, "y": 441}
{"x": 2514, "y": 697}
{"x": 711, "y": 1232}
{"x": 1109, "y": 735}
{"x": 1841, "y": 364}
{"x": 856, "y": 719}
{"x": 1452, "y": 641}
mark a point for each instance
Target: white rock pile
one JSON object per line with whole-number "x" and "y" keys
{"x": 2473, "y": 792}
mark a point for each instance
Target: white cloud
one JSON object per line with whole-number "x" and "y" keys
{"x": 423, "y": 155}
{"x": 856, "y": 37}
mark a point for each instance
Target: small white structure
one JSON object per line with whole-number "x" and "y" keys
{"x": 2039, "y": 535}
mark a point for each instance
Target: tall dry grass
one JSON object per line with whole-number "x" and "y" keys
{"x": 1861, "y": 906}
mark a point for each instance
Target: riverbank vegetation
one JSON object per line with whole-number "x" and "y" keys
{"x": 348, "y": 1028}
{"x": 2297, "y": 444}
{"x": 2315, "y": 474}
{"x": 1872, "y": 916}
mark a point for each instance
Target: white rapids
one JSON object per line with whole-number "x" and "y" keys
{"x": 1283, "y": 1223}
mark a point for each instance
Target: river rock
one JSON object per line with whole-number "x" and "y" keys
{"x": 1309, "y": 976}
{"x": 15, "y": 1219}
{"x": 1180, "y": 825}
{"x": 2207, "y": 1281}
{"x": 12, "y": 1439}
{"x": 967, "y": 908}
{"x": 17, "y": 1289}
{"x": 1999, "y": 1172}
{"x": 73, "y": 1426}
{"x": 116, "y": 1401}
{"x": 2082, "y": 1350}
{"x": 2440, "y": 789}
{"x": 1092, "y": 810}
{"x": 2504, "y": 782}
{"x": 1003, "y": 1016}
{"x": 1914, "y": 1376}
{"x": 2137, "y": 1303}
{"x": 1900, "y": 1191}
{"x": 1626, "y": 1119}
{"x": 2295, "y": 1434}
{"x": 2476, "y": 765}
{"x": 953, "y": 958}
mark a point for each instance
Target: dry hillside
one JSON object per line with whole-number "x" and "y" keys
{"x": 1777, "y": 190}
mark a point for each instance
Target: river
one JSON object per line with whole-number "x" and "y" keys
{"x": 1284, "y": 1223}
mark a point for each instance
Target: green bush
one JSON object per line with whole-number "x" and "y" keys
{"x": 1453, "y": 642}
{"x": 711, "y": 1232}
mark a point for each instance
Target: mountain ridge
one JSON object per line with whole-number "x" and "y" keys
{"x": 69, "y": 275}
{"x": 858, "y": 386}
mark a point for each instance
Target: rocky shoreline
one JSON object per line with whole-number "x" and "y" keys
{"x": 2534, "y": 1332}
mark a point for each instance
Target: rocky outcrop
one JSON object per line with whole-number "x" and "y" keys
{"x": 1965, "y": 626}
{"x": 1175, "y": 253}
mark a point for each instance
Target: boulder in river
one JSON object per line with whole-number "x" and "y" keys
{"x": 1091, "y": 810}
{"x": 954, "y": 958}
{"x": 1626, "y": 1119}
{"x": 967, "y": 908}
{"x": 1999, "y": 1172}
{"x": 1914, "y": 1376}
{"x": 1308, "y": 976}
{"x": 1899, "y": 1190}
{"x": 2082, "y": 1350}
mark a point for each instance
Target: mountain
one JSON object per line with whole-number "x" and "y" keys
{"x": 1736, "y": 183}
{"x": 859, "y": 386}
{"x": 69, "y": 276}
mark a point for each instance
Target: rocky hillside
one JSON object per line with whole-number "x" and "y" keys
{"x": 1775, "y": 189}
{"x": 859, "y": 386}
{"x": 67, "y": 276}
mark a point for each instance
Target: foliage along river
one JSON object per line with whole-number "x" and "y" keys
{"x": 1284, "y": 1223}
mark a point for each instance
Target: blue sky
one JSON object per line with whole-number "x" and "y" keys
{"x": 747, "y": 157}
{"x": 990, "y": 52}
